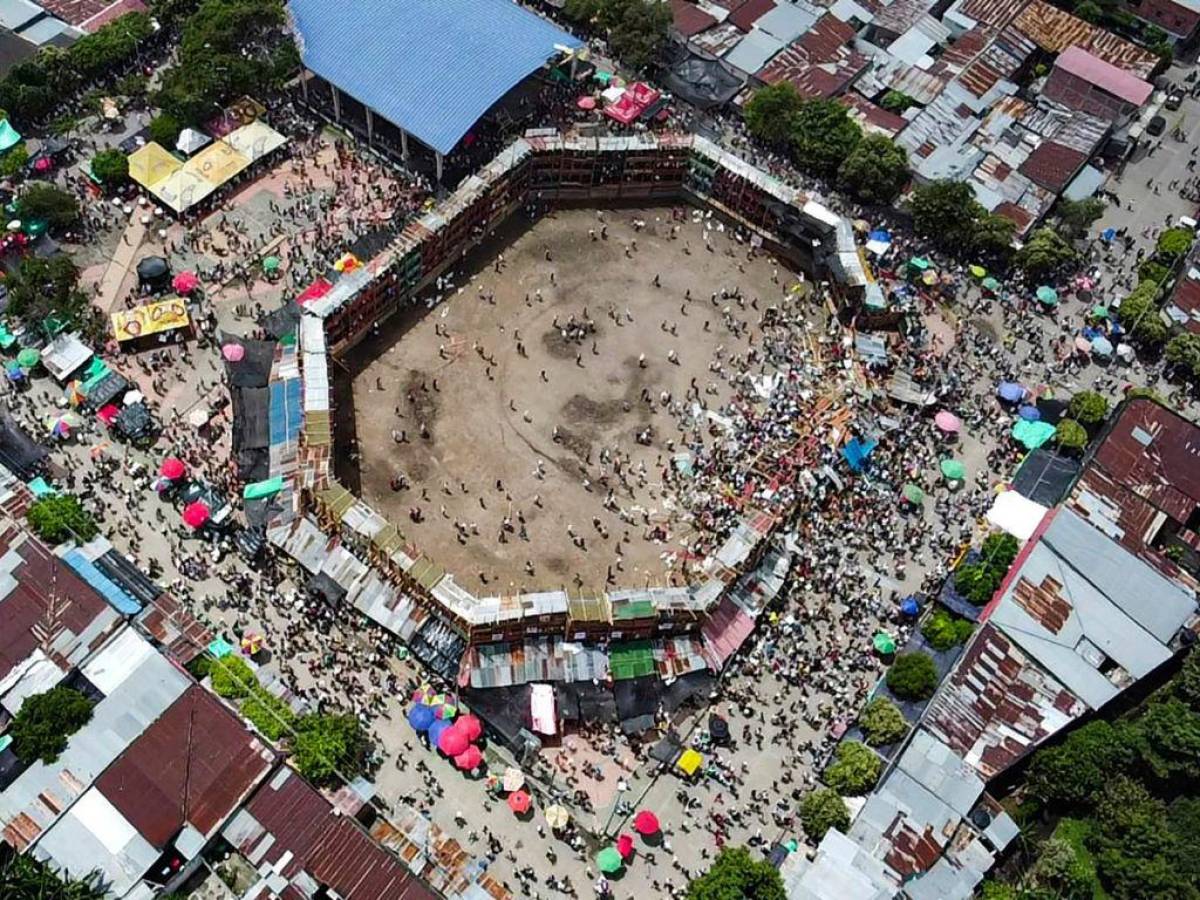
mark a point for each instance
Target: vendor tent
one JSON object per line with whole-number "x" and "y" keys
{"x": 151, "y": 165}
{"x": 190, "y": 140}
{"x": 9, "y": 137}
{"x": 63, "y": 356}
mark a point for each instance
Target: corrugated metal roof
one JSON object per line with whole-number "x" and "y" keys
{"x": 1103, "y": 74}
{"x": 289, "y": 827}
{"x": 754, "y": 51}
{"x": 431, "y": 68}
{"x": 1054, "y": 30}
{"x": 1052, "y": 165}
{"x": 819, "y": 64}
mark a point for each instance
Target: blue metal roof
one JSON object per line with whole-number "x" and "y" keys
{"x": 116, "y": 596}
{"x": 431, "y": 67}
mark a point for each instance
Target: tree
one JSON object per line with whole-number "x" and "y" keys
{"x": 1089, "y": 12}
{"x": 975, "y": 583}
{"x": 41, "y": 727}
{"x": 327, "y": 746}
{"x": 882, "y": 722}
{"x": 40, "y": 288}
{"x": 57, "y": 518}
{"x": 22, "y": 877}
{"x": 232, "y": 678}
{"x": 1043, "y": 253}
{"x": 821, "y": 810}
{"x": 913, "y": 676}
{"x": 823, "y": 134}
{"x": 1187, "y": 684}
{"x": 1088, "y": 408}
{"x": 1071, "y": 436}
{"x": 1139, "y": 314}
{"x": 944, "y": 630}
{"x": 164, "y": 129}
{"x": 854, "y": 770}
{"x": 641, "y": 33}
{"x": 1174, "y": 242}
{"x": 771, "y": 111}
{"x": 111, "y": 167}
{"x": 1183, "y": 352}
{"x": 1075, "y": 217}
{"x": 946, "y": 213}
{"x": 896, "y": 101}
{"x": 737, "y": 874}
{"x": 13, "y": 162}
{"x": 1172, "y": 746}
{"x": 992, "y": 234}
{"x": 1133, "y": 844}
{"x": 1153, "y": 270}
{"x": 998, "y": 551}
{"x": 876, "y": 170}
{"x": 1074, "y": 771}
{"x": 1059, "y": 870}
{"x": 42, "y": 200}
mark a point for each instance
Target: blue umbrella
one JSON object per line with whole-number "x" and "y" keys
{"x": 882, "y": 236}
{"x": 420, "y": 717}
{"x": 1029, "y": 413}
{"x": 1010, "y": 391}
{"x": 1102, "y": 345}
{"x": 910, "y": 606}
{"x": 14, "y": 372}
{"x": 436, "y": 729}
{"x": 1108, "y": 234}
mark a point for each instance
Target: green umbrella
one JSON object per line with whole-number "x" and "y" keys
{"x": 608, "y": 860}
{"x": 990, "y": 284}
{"x": 953, "y": 470}
{"x": 884, "y": 643}
{"x": 1047, "y": 294}
{"x": 1100, "y": 311}
{"x": 36, "y": 227}
{"x": 28, "y": 358}
{"x": 271, "y": 264}
{"x": 978, "y": 271}
{"x": 919, "y": 263}
{"x": 1032, "y": 434}
{"x": 913, "y": 494}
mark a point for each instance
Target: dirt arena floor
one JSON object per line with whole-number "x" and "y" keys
{"x": 506, "y": 503}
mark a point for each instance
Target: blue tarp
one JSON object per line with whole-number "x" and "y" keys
{"x": 286, "y": 412}
{"x": 430, "y": 67}
{"x": 116, "y": 596}
{"x": 856, "y": 453}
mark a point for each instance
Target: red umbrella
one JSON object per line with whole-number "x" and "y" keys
{"x": 625, "y": 846}
{"x": 195, "y": 514}
{"x": 172, "y": 468}
{"x": 470, "y": 726}
{"x": 586, "y": 102}
{"x": 469, "y": 759}
{"x": 645, "y": 823}
{"x": 519, "y": 802}
{"x": 453, "y": 742}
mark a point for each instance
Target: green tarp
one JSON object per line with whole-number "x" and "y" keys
{"x": 8, "y": 136}
{"x": 1032, "y": 434}
{"x": 40, "y": 488}
{"x": 262, "y": 489}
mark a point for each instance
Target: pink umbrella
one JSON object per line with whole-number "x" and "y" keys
{"x": 470, "y": 726}
{"x": 469, "y": 759}
{"x": 625, "y": 846}
{"x": 44, "y": 164}
{"x": 172, "y": 468}
{"x": 1082, "y": 344}
{"x": 233, "y": 352}
{"x": 519, "y": 802}
{"x": 586, "y": 102}
{"x": 195, "y": 515}
{"x": 947, "y": 421}
{"x": 645, "y": 823}
{"x": 453, "y": 742}
{"x": 185, "y": 282}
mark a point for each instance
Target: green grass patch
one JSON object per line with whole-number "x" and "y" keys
{"x": 1075, "y": 832}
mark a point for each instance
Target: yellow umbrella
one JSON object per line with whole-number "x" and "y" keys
{"x": 689, "y": 761}
{"x": 557, "y": 816}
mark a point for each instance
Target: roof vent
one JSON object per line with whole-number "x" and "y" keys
{"x": 981, "y": 818}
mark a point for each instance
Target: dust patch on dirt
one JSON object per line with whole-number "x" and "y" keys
{"x": 561, "y": 347}
{"x": 424, "y": 406}
{"x": 581, "y": 409}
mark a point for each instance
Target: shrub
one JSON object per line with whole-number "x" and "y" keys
{"x": 855, "y": 769}
{"x": 975, "y": 582}
{"x": 328, "y": 746}
{"x": 57, "y": 518}
{"x": 735, "y": 873}
{"x": 1174, "y": 242}
{"x": 14, "y": 161}
{"x": 821, "y": 810}
{"x": 45, "y": 721}
{"x": 164, "y": 129}
{"x": 1088, "y": 407}
{"x": 270, "y": 715}
{"x": 111, "y": 167}
{"x": 232, "y": 678}
{"x": 913, "y": 676}
{"x": 944, "y": 630}
{"x": 1152, "y": 270}
{"x": 42, "y": 200}
{"x": 882, "y": 722}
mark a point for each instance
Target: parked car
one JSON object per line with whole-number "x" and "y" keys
{"x": 1157, "y": 126}
{"x": 1174, "y": 99}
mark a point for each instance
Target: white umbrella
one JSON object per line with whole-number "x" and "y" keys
{"x": 199, "y": 417}
{"x": 14, "y": 225}
{"x": 147, "y": 218}
{"x": 133, "y": 397}
{"x": 514, "y": 779}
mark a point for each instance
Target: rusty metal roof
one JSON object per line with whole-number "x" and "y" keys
{"x": 996, "y": 13}
{"x": 290, "y": 827}
{"x": 820, "y": 63}
{"x": 1052, "y": 165}
{"x": 195, "y": 766}
{"x": 690, "y": 19}
{"x": 1186, "y": 301}
{"x": 1054, "y": 30}
{"x": 998, "y": 704}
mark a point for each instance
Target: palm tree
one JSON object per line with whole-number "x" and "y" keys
{"x": 25, "y": 878}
